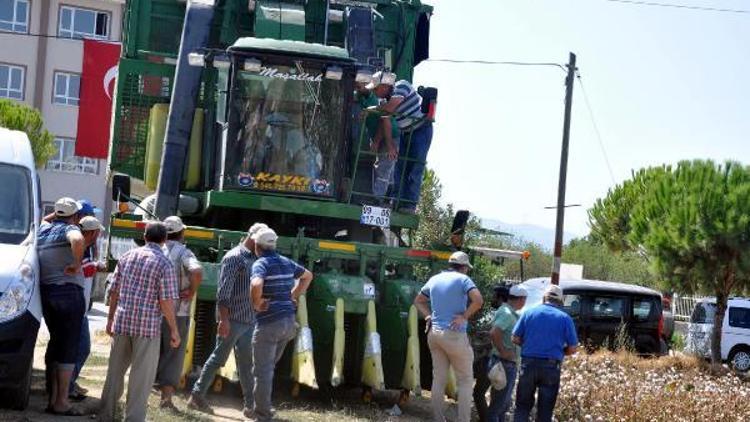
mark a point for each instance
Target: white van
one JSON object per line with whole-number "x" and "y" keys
{"x": 20, "y": 304}
{"x": 735, "y": 331}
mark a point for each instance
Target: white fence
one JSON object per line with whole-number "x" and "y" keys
{"x": 682, "y": 306}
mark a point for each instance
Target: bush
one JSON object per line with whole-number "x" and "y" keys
{"x": 621, "y": 386}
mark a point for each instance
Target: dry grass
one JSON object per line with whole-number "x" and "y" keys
{"x": 623, "y": 387}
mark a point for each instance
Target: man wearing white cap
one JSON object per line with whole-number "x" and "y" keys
{"x": 416, "y": 134}
{"x": 504, "y": 352}
{"x": 60, "y": 246}
{"x": 546, "y": 334}
{"x": 189, "y": 277}
{"x": 277, "y": 283}
{"x": 442, "y": 301}
{"x": 236, "y": 324}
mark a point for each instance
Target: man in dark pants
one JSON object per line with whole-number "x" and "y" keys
{"x": 189, "y": 276}
{"x": 546, "y": 334}
{"x": 235, "y": 327}
{"x": 60, "y": 245}
{"x": 482, "y": 346}
{"x": 277, "y": 283}
{"x": 505, "y": 352}
{"x": 416, "y": 135}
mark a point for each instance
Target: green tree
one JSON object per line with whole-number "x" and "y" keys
{"x": 435, "y": 221}
{"x": 600, "y": 263}
{"x": 693, "y": 223}
{"x": 17, "y": 116}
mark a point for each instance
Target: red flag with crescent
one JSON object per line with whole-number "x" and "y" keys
{"x": 98, "y": 76}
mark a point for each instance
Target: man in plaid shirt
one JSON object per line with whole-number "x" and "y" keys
{"x": 144, "y": 288}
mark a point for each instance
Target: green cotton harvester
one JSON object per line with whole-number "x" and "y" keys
{"x": 240, "y": 111}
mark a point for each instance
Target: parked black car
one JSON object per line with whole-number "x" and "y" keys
{"x": 601, "y": 308}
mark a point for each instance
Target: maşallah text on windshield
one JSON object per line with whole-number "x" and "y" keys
{"x": 272, "y": 72}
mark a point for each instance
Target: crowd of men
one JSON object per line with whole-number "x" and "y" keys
{"x": 529, "y": 347}
{"x": 152, "y": 290}
{"x": 151, "y": 293}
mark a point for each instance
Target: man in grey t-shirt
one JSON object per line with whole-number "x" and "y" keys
{"x": 60, "y": 246}
{"x": 189, "y": 276}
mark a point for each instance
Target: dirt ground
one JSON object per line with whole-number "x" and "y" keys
{"x": 309, "y": 407}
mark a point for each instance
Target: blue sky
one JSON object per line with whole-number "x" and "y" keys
{"x": 664, "y": 84}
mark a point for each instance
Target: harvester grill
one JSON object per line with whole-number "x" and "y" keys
{"x": 205, "y": 331}
{"x": 140, "y": 86}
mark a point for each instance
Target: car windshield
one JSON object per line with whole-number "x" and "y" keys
{"x": 16, "y": 208}
{"x": 703, "y": 313}
{"x": 286, "y": 130}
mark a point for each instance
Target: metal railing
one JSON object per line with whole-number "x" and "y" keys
{"x": 402, "y": 162}
{"x": 682, "y": 306}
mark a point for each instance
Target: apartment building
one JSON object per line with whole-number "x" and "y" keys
{"x": 41, "y": 55}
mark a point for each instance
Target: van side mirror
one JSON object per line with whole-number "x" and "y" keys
{"x": 458, "y": 228}
{"x": 120, "y": 187}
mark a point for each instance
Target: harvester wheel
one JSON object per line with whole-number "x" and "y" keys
{"x": 295, "y": 390}
{"x": 367, "y": 395}
{"x": 403, "y": 397}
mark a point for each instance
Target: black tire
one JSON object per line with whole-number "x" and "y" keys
{"x": 18, "y": 398}
{"x": 739, "y": 358}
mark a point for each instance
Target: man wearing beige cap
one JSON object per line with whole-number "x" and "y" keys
{"x": 442, "y": 301}
{"x": 546, "y": 334}
{"x": 236, "y": 324}
{"x": 60, "y": 246}
{"x": 277, "y": 282}
{"x": 189, "y": 277}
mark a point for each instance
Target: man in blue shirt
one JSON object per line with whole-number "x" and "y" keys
{"x": 546, "y": 334}
{"x": 442, "y": 301}
{"x": 277, "y": 283}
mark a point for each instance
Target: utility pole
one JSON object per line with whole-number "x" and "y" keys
{"x": 563, "y": 171}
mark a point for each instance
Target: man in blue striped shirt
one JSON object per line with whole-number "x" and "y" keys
{"x": 416, "y": 135}
{"x": 277, "y": 283}
{"x": 236, "y": 324}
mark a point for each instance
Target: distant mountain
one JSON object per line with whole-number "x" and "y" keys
{"x": 544, "y": 236}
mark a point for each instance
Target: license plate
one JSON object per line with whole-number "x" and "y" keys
{"x": 369, "y": 290}
{"x": 375, "y": 216}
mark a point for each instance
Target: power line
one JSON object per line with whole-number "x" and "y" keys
{"x": 596, "y": 128}
{"x": 505, "y": 63}
{"x": 29, "y": 34}
{"x": 680, "y": 6}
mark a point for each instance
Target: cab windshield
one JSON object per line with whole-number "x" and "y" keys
{"x": 286, "y": 130}
{"x": 16, "y": 207}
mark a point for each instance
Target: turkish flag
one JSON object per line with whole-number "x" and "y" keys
{"x": 95, "y": 106}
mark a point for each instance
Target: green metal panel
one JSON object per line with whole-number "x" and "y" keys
{"x": 297, "y": 206}
{"x": 396, "y": 297}
{"x": 207, "y": 290}
{"x": 278, "y": 20}
{"x": 330, "y": 285}
{"x": 155, "y": 26}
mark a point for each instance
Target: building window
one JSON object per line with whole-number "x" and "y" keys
{"x": 14, "y": 15}
{"x": 65, "y": 159}
{"x": 83, "y": 23}
{"x": 11, "y": 81}
{"x": 67, "y": 88}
